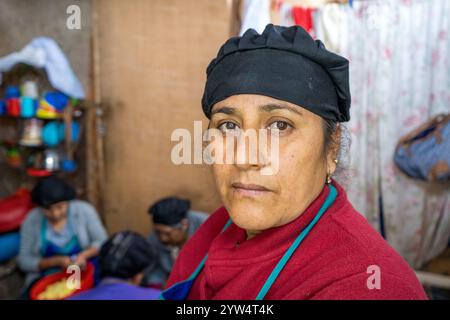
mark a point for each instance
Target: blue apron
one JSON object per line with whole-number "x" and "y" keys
{"x": 50, "y": 249}
{"x": 180, "y": 291}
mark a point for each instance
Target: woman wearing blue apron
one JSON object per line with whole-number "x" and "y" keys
{"x": 51, "y": 245}
{"x": 59, "y": 232}
{"x": 294, "y": 234}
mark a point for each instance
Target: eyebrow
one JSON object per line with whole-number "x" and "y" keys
{"x": 226, "y": 110}
{"x": 267, "y": 108}
{"x": 277, "y": 106}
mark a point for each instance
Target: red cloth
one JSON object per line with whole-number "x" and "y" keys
{"x": 303, "y": 17}
{"x": 331, "y": 262}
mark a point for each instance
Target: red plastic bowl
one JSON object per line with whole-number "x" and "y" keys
{"x": 38, "y": 172}
{"x": 14, "y": 209}
{"x": 87, "y": 281}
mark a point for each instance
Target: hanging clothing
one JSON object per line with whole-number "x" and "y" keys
{"x": 331, "y": 262}
{"x": 303, "y": 17}
{"x": 331, "y": 25}
{"x": 255, "y": 15}
{"x": 286, "y": 15}
{"x": 399, "y": 54}
{"x": 44, "y": 52}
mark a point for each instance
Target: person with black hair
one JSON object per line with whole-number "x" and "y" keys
{"x": 59, "y": 231}
{"x": 122, "y": 260}
{"x": 174, "y": 223}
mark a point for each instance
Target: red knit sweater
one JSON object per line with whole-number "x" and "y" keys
{"x": 333, "y": 261}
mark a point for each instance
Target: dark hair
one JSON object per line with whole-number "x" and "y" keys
{"x": 52, "y": 190}
{"x": 125, "y": 255}
{"x": 330, "y": 129}
{"x": 170, "y": 210}
{"x": 337, "y": 142}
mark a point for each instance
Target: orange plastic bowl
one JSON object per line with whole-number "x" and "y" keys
{"x": 87, "y": 282}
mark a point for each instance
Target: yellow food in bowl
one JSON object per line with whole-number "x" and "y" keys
{"x": 56, "y": 291}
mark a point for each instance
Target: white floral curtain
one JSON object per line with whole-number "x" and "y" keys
{"x": 399, "y": 52}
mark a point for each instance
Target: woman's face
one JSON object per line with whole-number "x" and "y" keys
{"x": 56, "y": 212}
{"x": 257, "y": 202}
{"x": 174, "y": 236}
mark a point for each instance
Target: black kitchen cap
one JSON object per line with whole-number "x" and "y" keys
{"x": 50, "y": 191}
{"x": 284, "y": 63}
{"x": 125, "y": 255}
{"x": 169, "y": 211}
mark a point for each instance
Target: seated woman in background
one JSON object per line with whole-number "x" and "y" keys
{"x": 289, "y": 233}
{"x": 59, "y": 232}
{"x": 122, "y": 261}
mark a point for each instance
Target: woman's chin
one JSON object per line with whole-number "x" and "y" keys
{"x": 251, "y": 218}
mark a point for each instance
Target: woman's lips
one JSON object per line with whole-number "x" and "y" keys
{"x": 249, "y": 190}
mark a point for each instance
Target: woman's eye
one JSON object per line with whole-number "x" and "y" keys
{"x": 228, "y": 126}
{"x": 279, "y": 125}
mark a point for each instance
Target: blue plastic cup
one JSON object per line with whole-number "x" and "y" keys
{"x": 12, "y": 92}
{"x": 28, "y": 107}
{"x": 2, "y": 107}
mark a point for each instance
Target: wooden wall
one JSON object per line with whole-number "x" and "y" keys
{"x": 152, "y": 59}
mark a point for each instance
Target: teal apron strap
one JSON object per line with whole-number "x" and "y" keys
{"x": 43, "y": 237}
{"x": 287, "y": 255}
{"x": 192, "y": 277}
{"x": 74, "y": 240}
{"x": 202, "y": 263}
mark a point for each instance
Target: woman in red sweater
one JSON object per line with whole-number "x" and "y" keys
{"x": 288, "y": 232}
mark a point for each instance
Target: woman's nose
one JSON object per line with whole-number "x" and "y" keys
{"x": 251, "y": 150}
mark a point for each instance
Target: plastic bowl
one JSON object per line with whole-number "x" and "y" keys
{"x": 87, "y": 282}
{"x": 9, "y": 245}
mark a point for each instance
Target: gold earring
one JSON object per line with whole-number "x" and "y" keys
{"x": 329, "y": 174}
